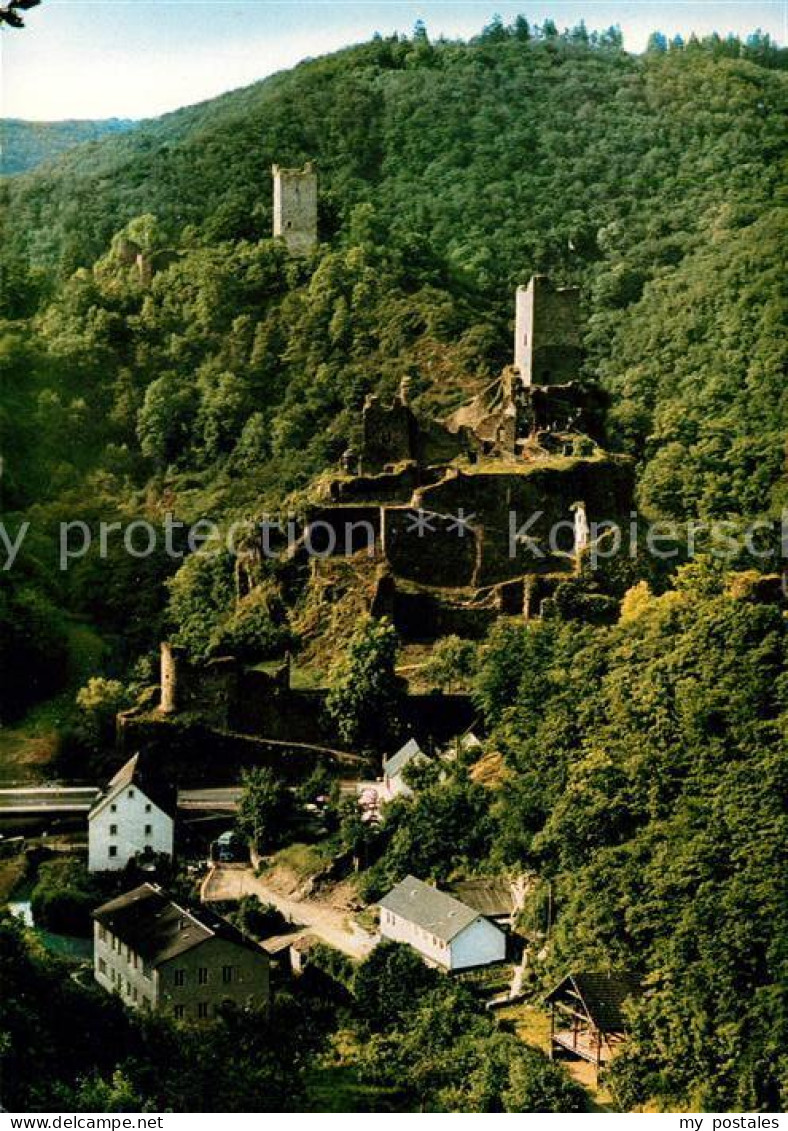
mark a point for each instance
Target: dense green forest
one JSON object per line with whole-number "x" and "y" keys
{"x": 641, "y": 765}
{"x": 449, "y": 173}
{"x": 28, "y": 144}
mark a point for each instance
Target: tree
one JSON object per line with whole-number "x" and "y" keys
{"x": 389, "y": 982}
{"x": 364, "y": 695}
{"x": 265, "y": 808}
{"x": 9, "y": 13}
{"x": 99, "y": 702}
{"x": 201, "y": 596}
{"x": 451, "y": 664}
{"x": 522, "y": 29}
{"x": 166, "y": 419}
{"x": 260, "y": 920}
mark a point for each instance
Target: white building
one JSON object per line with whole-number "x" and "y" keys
{"x": 134, "y": 816}
{"x": 394, "y": 784}
{"x": 159, "y": 954}
{"x": 444, "y": 931}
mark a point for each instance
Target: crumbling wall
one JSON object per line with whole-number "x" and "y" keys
{"x": 209, "y": 690}
{"x": 343, "y": 530}
{"x": 498, "y": 505}
{"x": 384, "y": 487}
{"x": 420, "y": 546}
{"x": 390, "y": 434}
{"x": 422, "y": 616}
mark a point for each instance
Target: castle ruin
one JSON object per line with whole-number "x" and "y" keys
{"x": 295, "y": 208}
{"x": 444, "y": 525}
{"x": 547, "y": 348}
{"x": 525, "y": 445}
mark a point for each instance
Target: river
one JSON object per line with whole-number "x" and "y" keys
{"x": 66, "y": 946}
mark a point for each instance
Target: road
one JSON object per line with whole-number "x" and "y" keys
{"x": 329, "y": 923}
{"x": 219, "y": 800}
{"x": 47, "y": 799}
{"x": 62, "y": 799}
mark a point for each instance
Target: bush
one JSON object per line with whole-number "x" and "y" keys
{"x": 64, "y": 896}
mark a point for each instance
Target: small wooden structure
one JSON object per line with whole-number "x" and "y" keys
{"x": 586, "y": 1015}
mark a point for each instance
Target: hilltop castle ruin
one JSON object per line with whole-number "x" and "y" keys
{"x": 524, "y": 446}
{"x": 295, "y": 207}
{"x": 423, "y": 521}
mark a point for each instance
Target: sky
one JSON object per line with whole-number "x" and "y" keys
{"x": 141, "y": 58}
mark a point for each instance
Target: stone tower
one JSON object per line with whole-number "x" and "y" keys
{"x": 547, "y": 333}
{"x": 295, "y": 207}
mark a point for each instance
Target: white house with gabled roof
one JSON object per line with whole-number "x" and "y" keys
{"x": 394, "y": 784}
{"x": 134, "y": 817}
{"x": 444, "y": 931}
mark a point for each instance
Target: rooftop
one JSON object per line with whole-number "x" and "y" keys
{"x": 152, "y": 924}
{"x": 602, "y": 996}
{"x": 397, "y": 762}
{"x": 440, "y": 914}
{"x": 141, "y": 773}
{"x": 492, "y": 897}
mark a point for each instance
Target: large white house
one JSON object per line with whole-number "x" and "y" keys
{"x": 160, "y": 954}
{"x": 133, "y": 817}
{"x": 444, "y": 931}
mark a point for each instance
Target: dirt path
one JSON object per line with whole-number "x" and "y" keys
{"x": 328, "y": 923}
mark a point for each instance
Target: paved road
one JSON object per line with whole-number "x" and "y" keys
{"x": 327, "y": 922}
{"x": 47, "y": 799}
{"x": 54, "y": 799}
{"x": 220, "y": 800}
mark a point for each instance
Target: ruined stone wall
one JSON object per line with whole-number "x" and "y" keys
{"x": 497, "y": 501}
{"x": 435, "y": 557}
{"x": 390, "y": 434}
{"x": 281, "y": 713}
{"x": 385, "y": 487}
{"x": 424, "y": 616}
{"x": 210, "y": 690}
{"x": 295, "y": 208}
{"x": 343, "y": 531}
{"x": 193, "y": 753}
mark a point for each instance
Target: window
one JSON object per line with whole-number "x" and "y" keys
{"x": 128, "y": 988}
{"x": 202, "y": 976}
{"x": 113, "y": 808}
{"x": 227, "y": 974}
{"x": 133, "y": 993}
{"x": 134, "y": 959}
{"x": 130, "y": 793}
{"x": 179, "y": 1011}
{"x": 148, "y": 807}
{"x": 113, "y": 850}
{"x": 113, "y": 830}
{"x": 148, "y": 830}
{"x": 102, "y": 966}
{"x": 112, "y": 975}
{"x": 202, "y": 1009}
{"x": 180, "y": 978}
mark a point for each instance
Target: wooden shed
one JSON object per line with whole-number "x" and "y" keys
{"x": 586, "y": 1014}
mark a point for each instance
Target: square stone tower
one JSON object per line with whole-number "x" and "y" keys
{"x": 295, "y": 207}
{"x": 547, "y": 347}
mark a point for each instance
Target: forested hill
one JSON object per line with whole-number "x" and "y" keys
{"x": 25, "y": 145}
{"x": 639, "y": 768}
{"x": 457, "y": 170}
